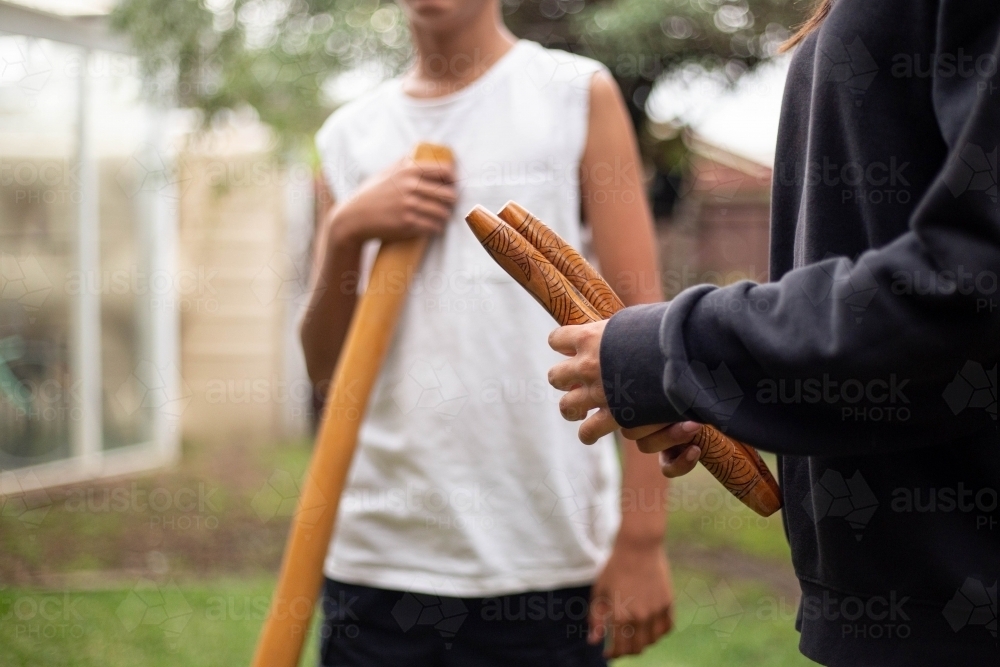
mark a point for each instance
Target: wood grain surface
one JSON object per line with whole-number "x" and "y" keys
{"x": 564, "y": 257}
{"x": 368, "y": 338}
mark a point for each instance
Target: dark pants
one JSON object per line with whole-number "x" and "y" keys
{"x": 371, "y": 627}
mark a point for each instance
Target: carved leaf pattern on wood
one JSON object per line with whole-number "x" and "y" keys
{"x": 565, "y": 258}
{"x": 532, "y": 270}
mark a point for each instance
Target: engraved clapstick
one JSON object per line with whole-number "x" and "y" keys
{"x": 573, "y": 292}
{"x": 565, "y": 258}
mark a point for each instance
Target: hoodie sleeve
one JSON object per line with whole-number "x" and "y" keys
{"x": 786, "y": 366}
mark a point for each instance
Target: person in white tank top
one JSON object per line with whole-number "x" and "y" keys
{"x": 467, "y": 486}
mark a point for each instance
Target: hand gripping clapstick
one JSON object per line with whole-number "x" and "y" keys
{"x": 573, "y": 292}
{"x": 365, "y": 347}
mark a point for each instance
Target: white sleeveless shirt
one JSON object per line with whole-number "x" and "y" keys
{"x": 466, "y": 480}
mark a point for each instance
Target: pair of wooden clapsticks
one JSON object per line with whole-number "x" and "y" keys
{"x": 573, "y": 292}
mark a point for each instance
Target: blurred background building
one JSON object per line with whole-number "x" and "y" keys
{"x": 148, "y": 282}
{"x": 156, "y": 213}
{"x": 86, "y": 379}
{"x": 718, "y": 226}
{"x": 156, "y": 200}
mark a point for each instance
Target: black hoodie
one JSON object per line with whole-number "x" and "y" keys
{"x": 869, "y": 363}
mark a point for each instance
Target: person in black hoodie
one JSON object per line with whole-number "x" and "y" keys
{"x": 869, "y": 363}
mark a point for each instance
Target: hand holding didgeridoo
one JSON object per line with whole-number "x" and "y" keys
{"x": 368, "y": 338}
{"x": 559, "y": 278}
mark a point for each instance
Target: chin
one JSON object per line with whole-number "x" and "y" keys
{"x": 440, "y": 14}
{"x": 430, "y": 9}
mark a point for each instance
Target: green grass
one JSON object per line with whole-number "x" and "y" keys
{"x": 216, "y": 624}
{"x": 721, "y": 621}
{"x": 705, "y": 516}
{"x": 96, "y": 586}
{"x": 212, "y": 624}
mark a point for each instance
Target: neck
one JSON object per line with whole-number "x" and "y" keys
{"x": 449, "y": 60}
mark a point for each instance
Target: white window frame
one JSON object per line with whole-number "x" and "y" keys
{"x": 88, "y": 459}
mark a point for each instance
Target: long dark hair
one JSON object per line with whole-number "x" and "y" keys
{"x": 823, "y": 8}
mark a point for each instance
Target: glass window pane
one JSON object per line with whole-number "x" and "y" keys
{"x": 39, "y": 191}
{"x": 130, "y": 174}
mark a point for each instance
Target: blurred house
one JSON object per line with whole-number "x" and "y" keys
{"x": 151, "y": 282}
{"x": 149, "y": 285}
{"x": 718, "y": 229}
{"x": 245, "y": 224}
{"x": 85, "y": 221}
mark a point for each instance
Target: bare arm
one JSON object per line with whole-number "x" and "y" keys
{"x": 614, "y": 199}
{"x": 614, "y": 204}
{"x": 405, "y": 200}
{"x": 333, "y": 281}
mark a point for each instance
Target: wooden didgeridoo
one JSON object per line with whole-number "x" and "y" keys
{"x": 365, "y": 347}
{"x": 557, "y": 275}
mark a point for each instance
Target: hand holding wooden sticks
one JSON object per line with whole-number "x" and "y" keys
{"x": 573, "y": 292}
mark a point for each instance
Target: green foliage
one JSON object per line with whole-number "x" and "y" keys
{"x": 645, "y": 38}
{"x": 275, "y": 56}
